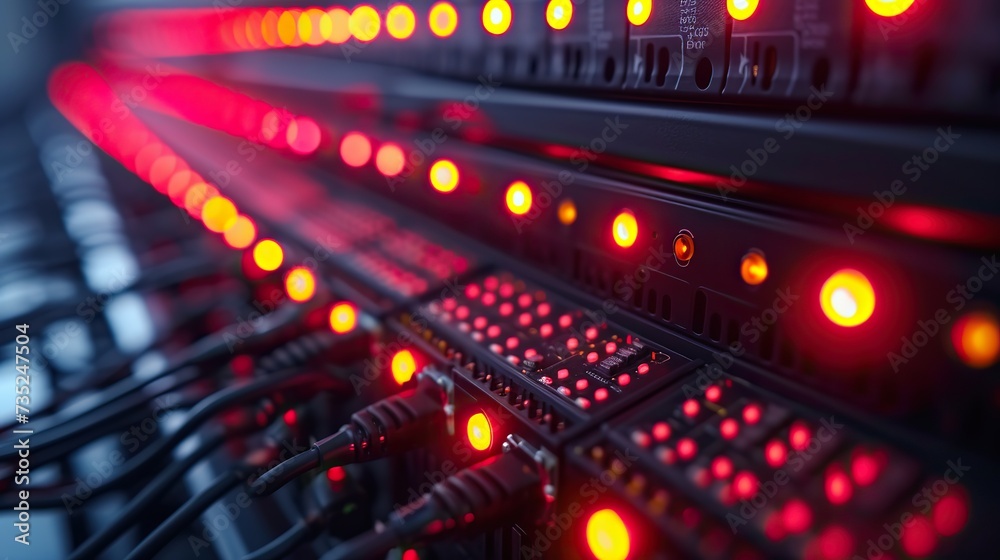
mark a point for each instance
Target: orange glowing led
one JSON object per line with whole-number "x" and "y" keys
{"x": 480, "y": 432}
{"x": 847, "y": 298}
{"x": 269, "y": 29}
{"x": 889, "y": 8}
{"x": 241, "y": 234}
{"x": 300, "y": 284}
{"x": 638, "y": 11}
{"x": 442, "y": 19}
{"x": 519, "y": 198}
{"x": 390, "y": 160}
{"x": 218, "y": 213}
{"x": 559, "y": 13}
{"x": 355, "y": 149}
{"x": 315, "y": 26}
{"x": 364, "y": 23}
{"x": 684, "y": 248}
{"x": 443, "y": 176}
{"x": 753, "y": 268}
{"x": 267, "y": 255}
{"x": 288, "y": 28}
{"x": 976, "y": 338}
{"x": 400, "y": 22}
{"x": 607, "y": 536}
{"x": 742, "y": 9}
{"x": 625, "y": 229}
{"x": 343, "y": 317}
{"x": 497, "y": 17}
{"x": 567, "y": 212}
{"x": 404, "y": 365}
{"x": 340, "y": 25}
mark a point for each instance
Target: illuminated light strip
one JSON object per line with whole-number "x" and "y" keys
{"x": 198, "y": 100}
{"x": 195, "y": 31}
{"x": 82, "y": 95}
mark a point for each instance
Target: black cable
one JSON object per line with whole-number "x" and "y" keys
{"x": 146, "y": 498}
{"x": 184, "y": 516}
{"x": 494, "y": 492}
{"x": 276, "y": 329}
{"x": 391, "y": 426}
{"x": 289, "y": 382}
{"x": 282, "y": 546}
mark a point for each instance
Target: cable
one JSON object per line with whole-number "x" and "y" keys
{"x": 276, "y": 329}
{"x": 289, "y": 382}
{"x": 391, "y": 426}
{"x": 142, "y": 501}
{"x": 282, "y": 546}
{"x": 184, "y": 516}
{"x": 500, "y": 490}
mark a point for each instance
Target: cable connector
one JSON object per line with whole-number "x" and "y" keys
{"x": 517, "y": 486}
{"x": 394, "y": 425}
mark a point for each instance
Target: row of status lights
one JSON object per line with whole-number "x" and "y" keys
{"x": 277, "y": 27}
{"x": 847, "y": 297}
{"x": 78, "y": 90}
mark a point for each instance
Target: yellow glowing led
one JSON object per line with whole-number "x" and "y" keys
{"x": 638, "y": 11}
{"x": 218, "y": 213}
{"x": 742, "y": 9}
{"x": 607, "y": 536}
{"x": 480, "y": 432}
{"x": 343, "y": 318}
{"x": 300, "y": 284}
{"x": 444, "y": 176}
{"x": 442, "y": 19}
{"x": 267, "y": 254}
{"x": 847, "y": 298}
{"x": 400, "y": 22}
{"x": 497, "y": 17}
{"x": 519, "y": 198}
{"x": 559, "y": 13}
{"x": 365, "y": 23}
{"x": 976, "y": 338}
{"x": 625, "y": 229}
{"x": 404, "y": 365}
{"x": 889, "y": 8}
{"x": 340, "y": 25}
{"x": 241, "y": 234}
{"x": 753, "y": 268}
{"x": 567, "y": 212}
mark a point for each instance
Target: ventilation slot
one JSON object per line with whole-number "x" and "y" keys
{"x": 665, "y": 308}
{"x": 715, "y": 327}
{"x": 698, "y": 322}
